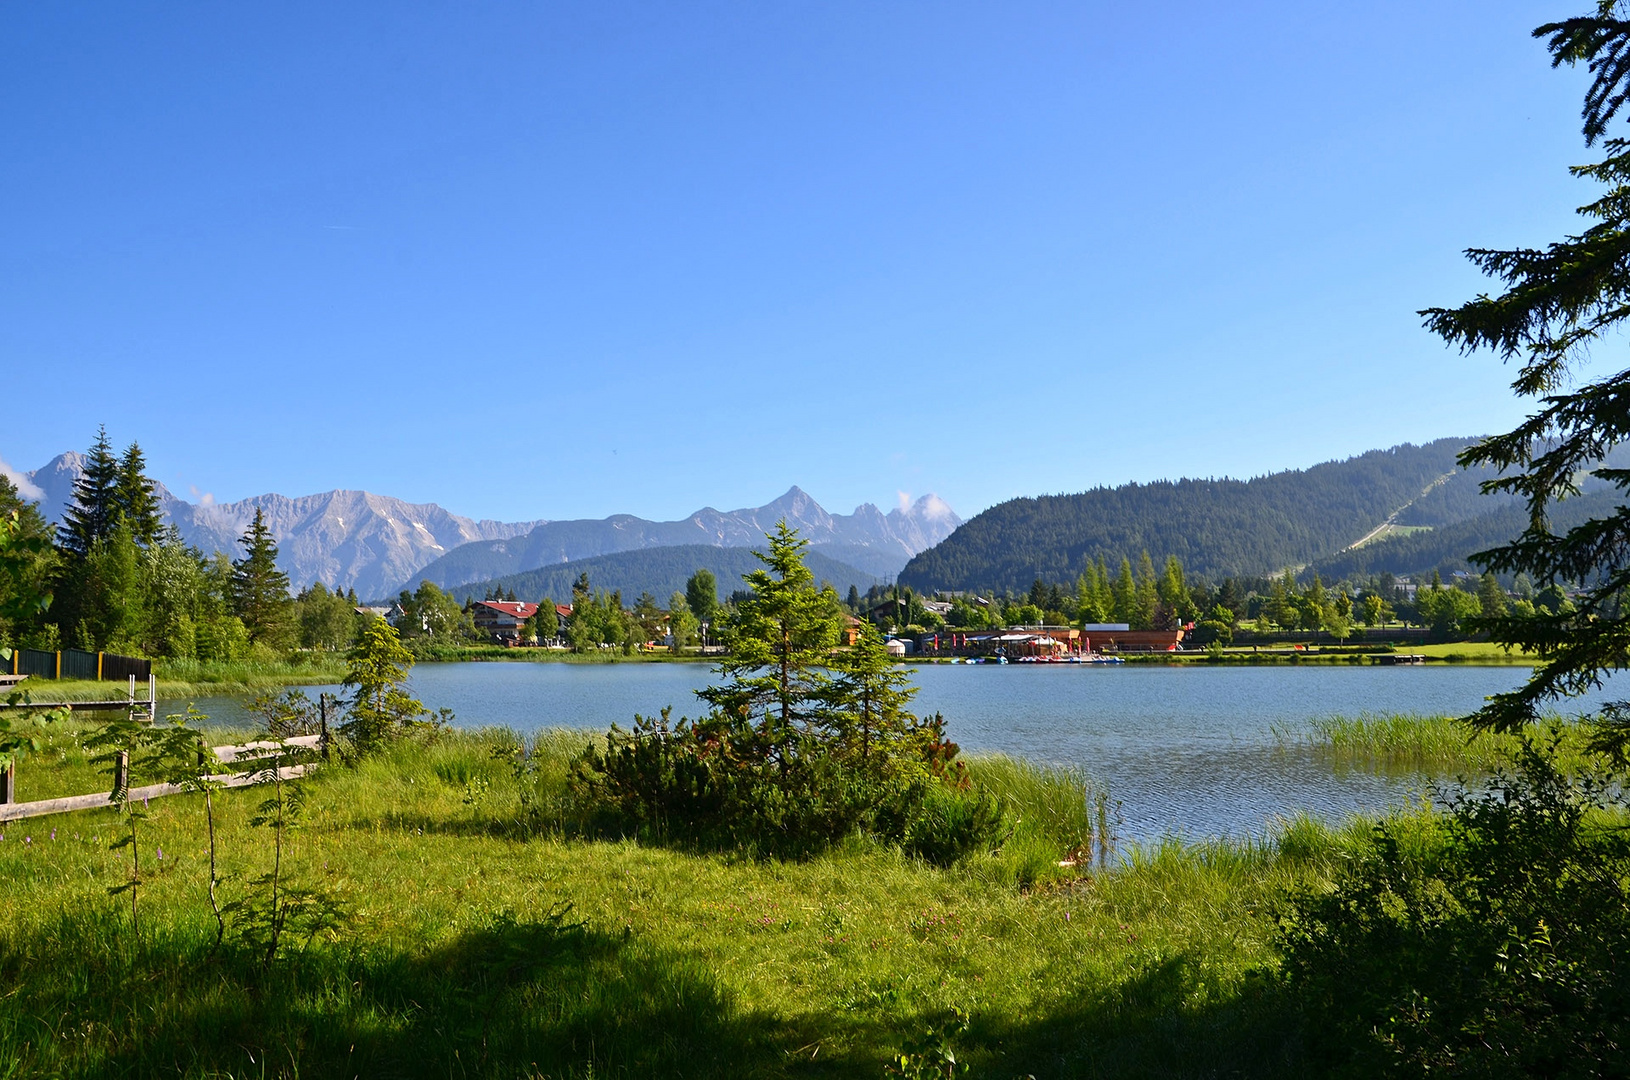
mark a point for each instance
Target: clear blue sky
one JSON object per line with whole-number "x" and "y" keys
{"x": 557, "y": 260}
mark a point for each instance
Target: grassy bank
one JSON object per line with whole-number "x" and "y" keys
{"x": 180, "y": 679}
{"x": 1455, "y": 652}
{"x": 478, "y": 940}
{"x": 1473, "y": 652}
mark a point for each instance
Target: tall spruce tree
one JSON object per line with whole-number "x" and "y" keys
{"x": 1147, "y": 612}
{"x": 1124, "y": 595}
{"x": 260, "y": 591}
{"x": 1559, "y": 302}
{"x": 95, "y": 506}
{"x": 133, "y": 497}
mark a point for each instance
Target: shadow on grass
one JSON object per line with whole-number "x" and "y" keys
{"x": 548, "y": 997}
{"x": 544, "y": 997}
{"x": 1152, "y": 1026}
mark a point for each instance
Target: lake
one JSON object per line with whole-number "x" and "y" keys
{"x": 1184, "y": 750}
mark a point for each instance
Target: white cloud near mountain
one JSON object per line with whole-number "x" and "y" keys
{"x": 25, "y": 487}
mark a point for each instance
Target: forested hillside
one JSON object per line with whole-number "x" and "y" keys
{"x": 1446, "y": 548}
{"x": 659, "y": 571}
{"x": 1216, "y": 527}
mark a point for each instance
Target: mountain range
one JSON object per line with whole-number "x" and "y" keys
{"x": 868, "y": 540}
{"x": 1406, "y": 509}
{"x": 377, "y": 545}
{"x": 660, "y": 571}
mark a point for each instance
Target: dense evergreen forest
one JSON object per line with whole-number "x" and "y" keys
{"x": 657, "y": 571}
{"x": 1446, "y": 549}
{"x": 1217, "y": 528}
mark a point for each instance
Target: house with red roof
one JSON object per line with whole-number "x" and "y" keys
{"x": 503, "y": 620}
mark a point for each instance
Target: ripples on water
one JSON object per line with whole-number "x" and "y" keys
{"x": 1189, "y": 751}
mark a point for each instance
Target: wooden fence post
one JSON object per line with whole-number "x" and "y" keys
{"x": 121, "y": 771}
{"x": 8, "y": 783}
{"x": 322, "y": 720}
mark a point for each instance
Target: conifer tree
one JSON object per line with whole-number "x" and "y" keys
{"x": 780, "y": 637}
{"x": 1280, "y": 606}
{"x": 1559, "y": 303}
{"x": 1148, "y": 595}
{"x": 1094, "y": 604}
{"x": 260, "y": 591}
{"x": 867, "y": 700}
{"x": 95, "y": 506}
{"x": 133, "y": 497}
{"x": 380, "y": 709}
{"x": 1491, "y": 597}
{"x": 1124, "y": 593}
{"x": 1174, "y": 590}
{"x": 1106, "y": 596}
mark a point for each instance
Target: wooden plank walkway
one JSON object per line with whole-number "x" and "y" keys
{"x": 227, "y": 754}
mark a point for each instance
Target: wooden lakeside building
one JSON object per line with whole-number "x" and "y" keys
{"x": 1053, "y": 642}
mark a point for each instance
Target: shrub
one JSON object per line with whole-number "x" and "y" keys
{"x": 1499, "y": 952}
{"x": 804, "y": 743}
{"x": 724, "y": 782}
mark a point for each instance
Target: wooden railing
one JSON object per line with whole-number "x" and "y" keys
{"x": 258, "y": 752}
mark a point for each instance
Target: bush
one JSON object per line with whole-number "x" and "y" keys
{"x": 1501, "y": 951}
{"x": 721, "y": 782}
{"x": 805, "y": 742}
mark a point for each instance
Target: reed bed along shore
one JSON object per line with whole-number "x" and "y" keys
{"x": 1436, "y": 745}
{"x": 478, "y": 931}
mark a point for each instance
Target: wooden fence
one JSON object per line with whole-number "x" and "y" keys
{"x": 11, "y": 810}
{"x": 73, "y": 664}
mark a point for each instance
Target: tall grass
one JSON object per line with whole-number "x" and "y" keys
{"x": 1058, "y": 819}
{"x": 302, "y": 667}
{"x": 1437, "y": 745}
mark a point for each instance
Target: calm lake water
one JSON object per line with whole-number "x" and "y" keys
{"x": 1188, "y": 751}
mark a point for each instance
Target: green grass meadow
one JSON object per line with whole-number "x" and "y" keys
{"x": 481, "y": 941}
